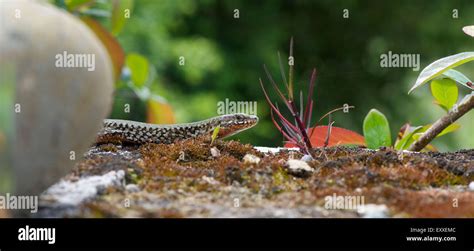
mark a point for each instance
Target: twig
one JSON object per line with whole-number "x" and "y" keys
{"x": 442, "y": 123}
{"x": 328, "y": 134}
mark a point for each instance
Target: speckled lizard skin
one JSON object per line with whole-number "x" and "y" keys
{"x": 126, "y": 131}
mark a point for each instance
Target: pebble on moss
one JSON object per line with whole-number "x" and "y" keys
{"x": 251, "y": 159}
{"x": 298, "y": 168}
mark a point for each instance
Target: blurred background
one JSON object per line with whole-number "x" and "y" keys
{"x": 175, "y": 60}
{"x": 224, "y": 56}
{"x": 225, "y": 43}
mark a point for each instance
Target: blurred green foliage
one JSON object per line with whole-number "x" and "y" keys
{"x": 224, "y": 56}
{"x": 7, "y": 124}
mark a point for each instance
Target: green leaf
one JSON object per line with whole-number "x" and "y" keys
{"x": 74, "y": 4}
{"x": 449, "y": 129}
{"x": 118, "y": 18}
{"x": 407, "y": 139}
{"x": 459, "y": 77}
{"x": 445, "y": 91}
{"x": 415, "y": 133}
{"x": 139, "y": 68}
{"x": 215, "y": 133}
{"x": 376, "y": 130}
{"x": 439, "y": 66}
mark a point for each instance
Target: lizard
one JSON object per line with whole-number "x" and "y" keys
{"x": 132, "y": 132}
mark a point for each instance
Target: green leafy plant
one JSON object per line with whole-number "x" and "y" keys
{"x": 445, "y": 91}
{"x": 377, "y": 132}
{"x": 443, "y": 84}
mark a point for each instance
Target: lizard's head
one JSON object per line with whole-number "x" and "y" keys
{"x": 231, "y": 124}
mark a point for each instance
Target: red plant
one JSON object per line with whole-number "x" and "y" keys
{"x": 300, "y": 132}
{"x": 339, "y": 136}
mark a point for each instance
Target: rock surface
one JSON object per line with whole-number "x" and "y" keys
{"x": 417, "y": 185}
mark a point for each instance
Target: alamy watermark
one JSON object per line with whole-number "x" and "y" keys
{"x": 28, "y": 233}
{"x": 396, "y": 60}
{"x": 16, "y": 202}
{"x": 229, "y": 107}
{"x": 347, "y": 202}
{"x": 68, "y": 60}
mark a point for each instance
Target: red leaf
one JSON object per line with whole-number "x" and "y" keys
{"x": 116, "y": 53}
{"x": 159, "y": 112}
{"x": 339, "y": 136}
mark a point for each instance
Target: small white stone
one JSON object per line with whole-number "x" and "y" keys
{"x": 132, "y": 188}
{"x": 210, "y": 180}
{"x": 373, "y": 211}
{"x": 215, "y": 152}
{"x": 307, "y": 158}
{"x": 298, "y": 167}
{"x": 471, "y": 186}
{"x": 251, "y": 159}
{"x": 274, "y": 149}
